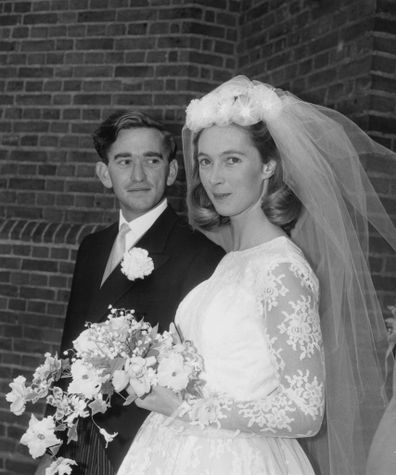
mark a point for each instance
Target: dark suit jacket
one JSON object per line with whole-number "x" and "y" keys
{"x": 182, "y": 259}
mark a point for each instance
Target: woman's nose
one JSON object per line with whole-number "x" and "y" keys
{"x": 216, "y": 175}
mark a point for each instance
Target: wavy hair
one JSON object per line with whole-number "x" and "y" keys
{"x": 280, "y": 205}
{"x": 106, "y": 134}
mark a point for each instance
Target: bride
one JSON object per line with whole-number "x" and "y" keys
{"x": 277, "y": 181}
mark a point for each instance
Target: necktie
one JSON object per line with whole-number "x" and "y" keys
{"x": 117, "y": 251}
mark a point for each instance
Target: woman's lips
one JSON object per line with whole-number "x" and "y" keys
{"x": 221, "y": 196}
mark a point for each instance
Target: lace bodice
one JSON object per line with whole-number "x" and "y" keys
{"x": 256, "y": 324}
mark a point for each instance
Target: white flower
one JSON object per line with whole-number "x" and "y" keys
{"x": 172, "y": 373}
{"x": 17, "y": 397}
{"x": 268, "y": 103}
{"x": 137, "y": 264}
{"x": 85, "y": 343}
{"x": 120, "y": 380}
{"x": 61, "y": 466}
{"x": 238, "y": 101}
{"x": 107, "y": 437}
{"x": 137, "y": 366}
{"x": 139, "y": 386}
{"x": 200, "y": 113}
{"x": 141, "y": 375}
{"x": 52, "y": 364}
{"x": 86, "y": 380}
{"x": 79, "y": 407}
{"x": 39, "y": 436}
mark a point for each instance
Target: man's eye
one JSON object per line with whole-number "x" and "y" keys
{"x": 203, "y": 162}
{"x": 233, "y": 160}
{"x": 124, "y": 162}
{"x": 153, "y": 161}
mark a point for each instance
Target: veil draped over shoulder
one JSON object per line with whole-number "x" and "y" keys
{"x": 323, "y": 156}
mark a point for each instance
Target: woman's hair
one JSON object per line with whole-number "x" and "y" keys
{"x": 280, "y": 205}
{"x": 106, "y": 134}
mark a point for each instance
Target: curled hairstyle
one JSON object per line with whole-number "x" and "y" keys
{"x": 106, "y": 134}
{"x": 280, "y": 205}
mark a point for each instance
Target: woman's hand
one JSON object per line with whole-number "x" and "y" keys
{"x": 160, "y": 399}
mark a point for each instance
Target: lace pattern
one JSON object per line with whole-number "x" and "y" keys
{"x": 256, "y": 324}
{"x": 286, "y": 293}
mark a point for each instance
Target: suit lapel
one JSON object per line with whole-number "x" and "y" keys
{"x": 117, "y": 284}
{"x": 100, "y": 251}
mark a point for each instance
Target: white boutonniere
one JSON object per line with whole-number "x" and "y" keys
{"x": 136, "y": 263}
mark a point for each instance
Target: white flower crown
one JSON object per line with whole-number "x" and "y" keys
{"x": 239, "y": 102}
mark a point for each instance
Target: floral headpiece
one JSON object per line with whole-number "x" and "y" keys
{"x": 238, "y": 101}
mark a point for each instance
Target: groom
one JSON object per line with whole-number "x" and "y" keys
{"x": 138, "y": 163}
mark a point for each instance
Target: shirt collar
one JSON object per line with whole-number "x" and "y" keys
{"x": 142, "y": 224}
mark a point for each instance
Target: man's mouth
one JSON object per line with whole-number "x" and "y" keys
{"x": 138, "y": 188}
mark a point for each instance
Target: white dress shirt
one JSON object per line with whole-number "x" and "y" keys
{"x": 142, "y": 224}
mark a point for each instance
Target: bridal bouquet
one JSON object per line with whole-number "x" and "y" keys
{"x": 121, "y": 355}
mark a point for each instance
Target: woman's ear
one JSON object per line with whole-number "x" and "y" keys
{"x": 172, "y": 173}
{"x": 268, "y": 169}
{"x": 102, "y": 172}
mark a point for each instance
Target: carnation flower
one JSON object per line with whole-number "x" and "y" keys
{"x": 172, "y": 373}
{"x": 39, "y": 436}
{"x": 17, "y": 397}
{"x": 137, "y": 264}
{"x": 61, "y": 466}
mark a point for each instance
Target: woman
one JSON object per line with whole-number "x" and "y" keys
{"x": 260, "y": 163}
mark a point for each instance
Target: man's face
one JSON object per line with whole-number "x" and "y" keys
{"x": 138, "y": 170}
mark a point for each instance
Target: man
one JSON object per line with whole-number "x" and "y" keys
{"x": 138, "y": 163}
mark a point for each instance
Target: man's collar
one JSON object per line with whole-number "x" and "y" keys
{"x": 142, "y": 224}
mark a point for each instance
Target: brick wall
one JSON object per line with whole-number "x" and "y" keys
{"x": 319, "y": 50}
{"x": 340, "y": 54}
{"x": 65, "y": 65}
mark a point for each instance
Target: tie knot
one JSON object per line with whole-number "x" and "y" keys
{"x": 124, "y": 229}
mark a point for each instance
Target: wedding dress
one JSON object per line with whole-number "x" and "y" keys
{"x": 256, "y": 324}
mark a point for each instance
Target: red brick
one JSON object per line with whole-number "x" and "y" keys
{"x": 40, "y": 18}
{"x": 90, "y": 99}
{"x": 95, "y": 43}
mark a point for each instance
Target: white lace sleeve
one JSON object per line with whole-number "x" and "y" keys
{"x": 289, "y": 307}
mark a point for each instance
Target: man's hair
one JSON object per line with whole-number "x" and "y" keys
{"x": 106, "y": 134}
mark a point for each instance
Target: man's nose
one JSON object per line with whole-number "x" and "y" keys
{"x": 138, "y": 173}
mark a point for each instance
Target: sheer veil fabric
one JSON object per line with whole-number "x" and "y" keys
{"x": 323, "y": 155}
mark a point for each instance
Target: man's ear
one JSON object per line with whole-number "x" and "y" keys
{"x": 102, "y": 172}
{"x": 269, "y": 169}
{"x": 172, "y": 173}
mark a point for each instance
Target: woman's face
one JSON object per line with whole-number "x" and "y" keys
{"x": 230, "y": 169}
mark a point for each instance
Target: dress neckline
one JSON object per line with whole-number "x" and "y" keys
{"x": 259, "y": 246}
